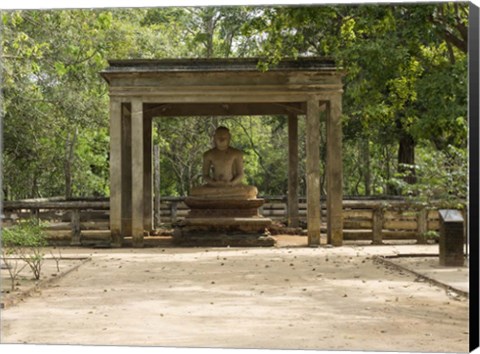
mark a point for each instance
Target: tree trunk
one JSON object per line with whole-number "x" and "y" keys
{"x": 406, "y": 153}
{"x": 406, "y": 158}
{"x": 6, "y": 195}
{"x": 35, "y": 193}
{"x": 210, "y": 31}
{"x": 367, "y": 173}
{"x": 389, "y": 188}
{"x": 69, "y": 156}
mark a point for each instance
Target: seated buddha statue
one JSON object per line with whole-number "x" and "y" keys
{"x": 223, "y": 171}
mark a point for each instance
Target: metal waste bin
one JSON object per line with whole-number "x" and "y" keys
{"x": 451, "y": 238}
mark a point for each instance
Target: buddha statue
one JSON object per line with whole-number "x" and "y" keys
{"x": 223, "y": 211}
{"x": 223, "y": 171}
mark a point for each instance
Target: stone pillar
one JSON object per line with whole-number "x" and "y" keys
{"x": 116, "y": 172}
{"x": 138, "y": 169}
{"x": 334, "y": 172}
{"x": 292, "y": 203}
{"x": 313, "y": 171}
{"x": 156, "y": 153}
{"x": 148, "y": 175}
{"x": 126, "y": 170}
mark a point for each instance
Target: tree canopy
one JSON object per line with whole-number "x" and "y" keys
{"x": 404, "y": 104}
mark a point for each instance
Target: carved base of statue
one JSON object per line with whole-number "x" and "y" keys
{"x": 224, "y": 232}
{"x": 218, "y": 208}
{"x": 221, "y": 222}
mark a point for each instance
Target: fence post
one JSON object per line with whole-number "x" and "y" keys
{"x": 35, "y": 215}
{"x": 75, "y": 225}
{"x": 173, "y": 211}
{"x": 377, "y": 226}
{"x": 422, "y": 225}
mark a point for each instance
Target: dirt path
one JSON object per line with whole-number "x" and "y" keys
{"x": 278, "y": 298}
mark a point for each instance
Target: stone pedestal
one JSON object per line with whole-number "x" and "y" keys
{"x": 232, "y": 222}
{"x": 451, "y": 238}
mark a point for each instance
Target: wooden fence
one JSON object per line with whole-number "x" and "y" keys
{"x": 364, "y": 219}
{"x": 77, "y": 222}
{"x": 68, "y": 222}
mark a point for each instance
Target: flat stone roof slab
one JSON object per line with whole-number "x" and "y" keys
{"x": 216, "y": 65}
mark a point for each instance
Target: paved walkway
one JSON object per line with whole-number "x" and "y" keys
{"x": 278, "y": 298}
{"x": 456, "y": 278}
{"x": 420, "y": 259}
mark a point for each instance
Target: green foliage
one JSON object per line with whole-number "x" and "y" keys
{"x": 181, "y": 142}
{"x": 26, "y": 241}
{"x": 52, "y": 93}
{"x": 431, "y": 235}
{"x": 405, "y": 70}
{"x": 91, "y": 164}
{"x": 27, "y": 233}
{"x": 442, "y": 176}
{"x": 405, "y": 81}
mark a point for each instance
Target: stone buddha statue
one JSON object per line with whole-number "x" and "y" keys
{"x": 223, "y": 171}
{"x": 223, "y": 211}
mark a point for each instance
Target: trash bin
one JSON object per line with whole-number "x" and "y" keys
{"x": 451, "y": 238}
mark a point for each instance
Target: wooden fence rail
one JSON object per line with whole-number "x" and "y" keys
{"x": 75, "y": 221}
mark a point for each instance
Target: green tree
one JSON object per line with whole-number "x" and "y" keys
{"x": 52, "y": 96}
{"x": 405, "y": 90}
{"x": 55, "y": 103}
{"x": 405, "y": 68}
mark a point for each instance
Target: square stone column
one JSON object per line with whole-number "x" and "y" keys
{"x": 126, "y": 170}
{"x": 313, "y": 171}
{"x": 148, "y": 175}
{"x": 138, "y": 169}
{"x": 116, "y": 172}
{"x": 334, "y": 172}
{"x": 292, "y": 202}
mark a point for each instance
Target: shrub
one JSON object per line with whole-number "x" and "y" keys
{"x": 25, "y": 241}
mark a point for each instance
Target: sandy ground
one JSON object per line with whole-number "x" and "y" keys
{"x": 278, "y": 298}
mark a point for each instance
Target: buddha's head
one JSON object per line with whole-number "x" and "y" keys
{"x": 221, "y": 138}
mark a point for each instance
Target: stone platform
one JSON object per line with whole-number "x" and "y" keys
{"x": 223, "y": 222}
{"x": 220, "y": 228}
{"x": 224, "y": 231}
{"x": 212, "y": 239}
{"x": 223, "y": 208}
{"x": 227, "y": 224}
